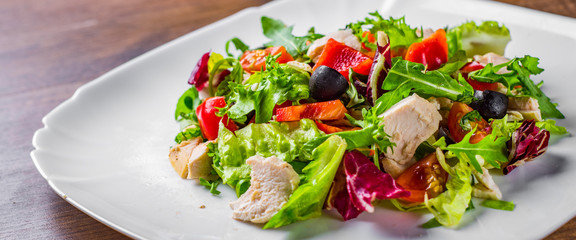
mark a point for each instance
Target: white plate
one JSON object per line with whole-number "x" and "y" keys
{"x": 105, "y": 149}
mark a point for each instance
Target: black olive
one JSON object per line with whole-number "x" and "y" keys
{"x": 490, "y": 104}
{"x": 327, "y": 84}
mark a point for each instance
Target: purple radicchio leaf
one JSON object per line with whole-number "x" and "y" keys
{"x": 364, "y": 183}
{"x": 527, "y": 143}
{"x": 380, "y": 66}
{"x": 200, "y": 74}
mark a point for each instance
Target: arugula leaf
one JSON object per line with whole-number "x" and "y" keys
{"x": 400, "y": 33}
{"x": 238, "y": 44}
{"x": 308, "y": 199}
{"x": 408, "y": 77}
{"x": 281, "y": 35}
{"x": 187, "y": 104}
{"x": 491, "y": 149}
{"x": 188, "y": 133}
{"x": 519, "y": 75}
{"x": 210, "y": 185}
{"x": 499, "y": 204}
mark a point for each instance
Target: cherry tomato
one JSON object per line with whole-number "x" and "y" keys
{"x": 458, "y": 111}
{"x": 424, "y": 177}
{"x": 477, "y": 85}
{"x": 255, "y": 60}
{"x": 432, "y": 51}
{"x": 208, "y": 120}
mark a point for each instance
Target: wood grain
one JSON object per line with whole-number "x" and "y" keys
{"x": 50, "y": 48}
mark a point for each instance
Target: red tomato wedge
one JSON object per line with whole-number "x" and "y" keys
{"x": 458, "y": 111}
{"x": 432, "y": 51}
{"x": 424, "y": 177}
{"x": 208, "y": 120}
{"x": 341, "y": 57}
{"x": 255, "y": 60}
{"x": 481, "y": 86}
{"x": 330, "y": 110}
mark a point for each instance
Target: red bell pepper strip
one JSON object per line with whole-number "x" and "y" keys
{"x": 255, "y": 60}
{"x": 432, "y": 51}
{"x": 341, "y": 57}
{"x": 330, "y": 110}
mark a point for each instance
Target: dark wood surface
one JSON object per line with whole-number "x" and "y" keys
{"x": 50, "y": 48}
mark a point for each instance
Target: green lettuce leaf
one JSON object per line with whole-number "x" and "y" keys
{"x": 475, "y": 39}
{"x": 264, "y": 90}
{"x": 449, "y": 207}
{"x": 283, "y": 140}
{"x": 308, "y": 199}
{"x": 281, "y": 35}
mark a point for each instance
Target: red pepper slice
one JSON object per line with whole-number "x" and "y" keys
{"x": 341, "y": 57}
{"x": 432, "y": 51}
{"x": 330, "y": 110}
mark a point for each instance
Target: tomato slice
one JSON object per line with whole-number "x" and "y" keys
{"x": 341, "y": 57}
{"x": 432, "y": 51}
{"x": 255, "y": 60}
{"x": 457, "y": 133}
{"x": 424, "y": 177}
{"x": 477, "y": 85}
{"x": 209, "y": 122}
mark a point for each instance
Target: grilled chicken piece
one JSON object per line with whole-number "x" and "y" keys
{"x": 527, "y": 107}
{"x": 180, "y": 154}
{"x": 409, "y": 123}
{"x": 272, "y": 183}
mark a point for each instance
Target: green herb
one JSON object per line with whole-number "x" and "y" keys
{"x": 400, "y": 33}
{"x": 210, "y": 185}
{"x": 281, "y": 35}
{"x": 186, "y": 106}
{"x": 188, "y": 133}
{"x": 499, "y": 204}
{"x": 468, "y": 118}
{"x": 238, "y": 44}
{"x": 491, "y": 149}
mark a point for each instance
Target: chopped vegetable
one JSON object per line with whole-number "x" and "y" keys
{"x": 338, "y": 56}
{"x": 330, "y": 110}
{"x": 432, "y": 51}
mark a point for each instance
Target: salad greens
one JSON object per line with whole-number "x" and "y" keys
{"x": 338, "y": 147}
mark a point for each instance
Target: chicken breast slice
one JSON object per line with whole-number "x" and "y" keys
{"x": 527, "y": 107}
{"x": 200, "y": 164}
{"x": 271, "y": 184}
{"x": 180, "y": 154}
{"x": 409, "y": 123}
{"x": 343, "y": 36}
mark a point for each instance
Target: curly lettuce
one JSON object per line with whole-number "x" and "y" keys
{"x": 476, "y": 39}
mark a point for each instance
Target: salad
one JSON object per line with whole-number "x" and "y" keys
{"x": 376, "y": 111}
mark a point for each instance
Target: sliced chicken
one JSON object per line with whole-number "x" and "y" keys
{"x": 343, "y": 36}
{"x": 199, "y": 164}
{"x": 180, "y": 154}
{"x": 409, "y": 123}
{"x": 527, "y": 107}
{"x": 271, "y": 184}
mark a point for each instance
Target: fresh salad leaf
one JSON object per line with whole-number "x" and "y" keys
{"x": 449, "y": 207}
{"x": 200, "y": 74}
{"x": 401, "y": 34}
{"x": 491, "y": 149}
{"x": 264, "y": 90}
{"x": 282, "y": 140}
{"x": 210, "y": 185}
{"x": 308, "y": 199}
{"x": 475, "y": 39}
{"x": 548, "y": 124}
{"x": 281, "y": 35}
{"x": 238, "y": 44}
{"x": 528, "y": 142}
{"x": 188, "y": 133}
{"x": 499, "y": 204}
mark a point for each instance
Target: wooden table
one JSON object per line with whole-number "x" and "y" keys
{"x": 50, "y": 48}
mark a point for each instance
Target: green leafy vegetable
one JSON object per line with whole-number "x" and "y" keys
{"x": 186, "y": 106}
{"x": 210, "y": 185}
{"x": 281, "y": 35}
{"x": 188, "y": 133}
{"x": 266, "y": 89}
{"x": 308, "y": 199}
{"x": 400, "y": 33}
{"x": 478, "y": 39}
{"x": 238, "y": 44}
{"x": 282, "y": 140}
{"x": 499, "y": 204}
{"x": 491, "y": 149}
{"x": 468, "y": 118}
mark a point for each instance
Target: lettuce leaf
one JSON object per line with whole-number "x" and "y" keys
{"x": 283, "y": 140}
{"x": 264, "y": 90}
{"x": 476, "y": 39}
{"x": 449, "y": 207}
{"x": 308, "y": 199}
{"x": 491, "y": 149}
{"x": 281, "y": 35}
